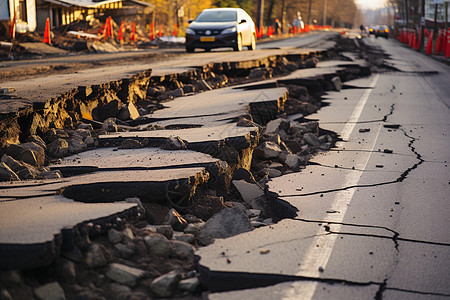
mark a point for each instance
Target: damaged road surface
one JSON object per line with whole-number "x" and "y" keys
{"x": 373, "y": 211}
{"x": 312, "y": 168}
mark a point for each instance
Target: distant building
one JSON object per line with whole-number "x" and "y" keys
{"x": 430, "y": 8}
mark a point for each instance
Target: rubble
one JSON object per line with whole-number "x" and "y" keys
{"x": 156, "y": 250}
{"x": 228, "y": 222}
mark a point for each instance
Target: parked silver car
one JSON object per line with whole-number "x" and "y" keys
{"x": 221, "y": 27}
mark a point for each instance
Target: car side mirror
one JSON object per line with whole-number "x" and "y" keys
{"x": 243, "y": 21}
{"x": 190, "y": 21}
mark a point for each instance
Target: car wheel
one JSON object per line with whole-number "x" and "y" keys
{"x": 238, "y": 46}
{"x": 190, "y": 49}
{"x": 252, "y": 46}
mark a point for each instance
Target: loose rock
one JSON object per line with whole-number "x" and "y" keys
{"x": 165, "y": 285}
{"x": 189, "y": 284}
{"x": 6, "y": 174}
{"x": 174, "y": 143}
{"x": 229, "y": 222}
{"x": 248, "y": 191}
{"x": 124, "y": 274}
{"x": 157, "y": 244}
{"x": 58, "y": 148}
{"x": 95, "y": 256}
{"x": 51, "y": 291}
{"x": 268, "y": 150}
{"x": 312, "y": 140}
{"x": 109, "y": 125}
{"x": 182, "y": 250}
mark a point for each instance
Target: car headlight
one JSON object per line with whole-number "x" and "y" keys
{"x": 189, "y": 31}
{"x": 229, "y": 30}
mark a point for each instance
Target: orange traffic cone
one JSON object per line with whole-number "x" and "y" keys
{"x": 270, "y": 31}
{"x": 120, "y": 34}
{"x": 152, "y": 31}
{"x": 429, "y": 44}
{"x": 419, "y": 42}
{"x": 107, "y": 28}
{"x": 447, "y": 46}
{"x": 133, "y": 32}
{"x": 160, "y": 31}
{"x": 12, "y": 30}
{"x": 175, "y": 30}
{"x": 47, "y": 32}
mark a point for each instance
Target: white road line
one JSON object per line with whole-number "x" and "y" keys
{"x": 319, "y": 256}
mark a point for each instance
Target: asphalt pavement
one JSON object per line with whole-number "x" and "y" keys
{"x": 373, "y": 212}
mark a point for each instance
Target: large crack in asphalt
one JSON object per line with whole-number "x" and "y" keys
{"x": 399, "y": 179}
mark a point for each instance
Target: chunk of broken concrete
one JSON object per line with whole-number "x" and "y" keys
{"x": 182, "y": 249}
{"x": 95, "y": 256}
{"x": 110, "y": 125}
{"x": 58, "y": 148}
{"x": 76, "y": 146}
{"x": 128, "y": 112}
{"x": 174, "y": 143}
{"x": 125, "y": 250}
{"x": 248, "y": 191}
{"x": 262, "y": 72}
{"x": 268, "y": 150}
{"x": 6, "y": 174}
{"x": 110, "y": 109}
{"x": 132, "y": 144}
{"x": 194, "y": 228}
{"x": 189, "y": 284}
{"x": 124, "y": 274}
{"x": 114, "y": 236}
{"x": 31, "y": 153}
{"x": 50, "y": 291}
{"x": 165, "y": 230}
{"x": 228, "y": 222}
{"x": 276, "y": 125}
{"x": 337, "y": 84}
{"x": 292, "y": 161}
{"x": 37, "y": 140}
{"x": 184, "y": 237}
{"x": 311, "y": 139}
{"x": 165, "y": 285}
{"x": 157, "y": 244}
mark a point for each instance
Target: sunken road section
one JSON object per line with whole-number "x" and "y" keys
{"x": 97, "y": 179}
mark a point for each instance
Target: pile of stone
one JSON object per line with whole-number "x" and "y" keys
{"x": 286, "y": 146}
{"x": 24, "y": 161}
{"x": 127, "y": 259}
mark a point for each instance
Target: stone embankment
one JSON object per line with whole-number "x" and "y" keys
{"x": 109, "y": 189}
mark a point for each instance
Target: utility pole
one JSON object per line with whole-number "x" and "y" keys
{"x": 283, "y": 16}
{"x": 309, "y": 13}
{"x": 407, "y": 13}
{"x": 446, "y": 15}
{"x": 324, "y": 16}
{"x": 259, "y": 18}
{"x": 422, "y": 26}
{"x": 435, "y": 26}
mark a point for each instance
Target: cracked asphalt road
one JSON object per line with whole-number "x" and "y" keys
{"x": 373, "y": 213}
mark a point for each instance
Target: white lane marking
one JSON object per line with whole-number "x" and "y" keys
{"x": 351, "y": 122}
{"x": 319, "y": 256}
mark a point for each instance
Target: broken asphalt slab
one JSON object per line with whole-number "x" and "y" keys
{"x": 31, "y": 229}
{"x": 47, "y": 207}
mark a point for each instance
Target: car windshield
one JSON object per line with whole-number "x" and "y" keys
{"x": 217, "y": 16}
